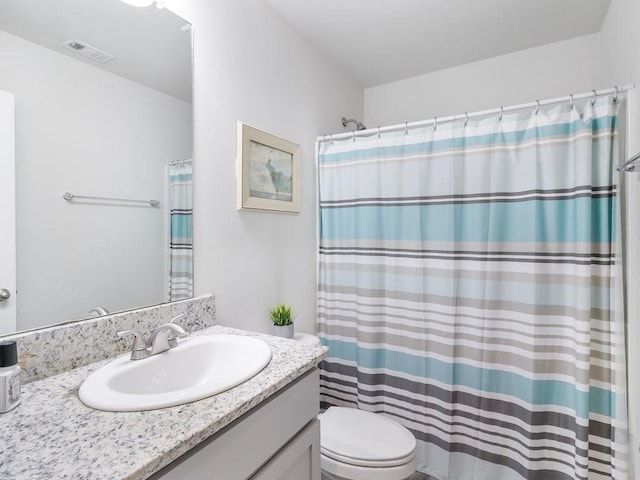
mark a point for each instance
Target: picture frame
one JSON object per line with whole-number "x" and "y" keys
{"x": 268, "y": 172}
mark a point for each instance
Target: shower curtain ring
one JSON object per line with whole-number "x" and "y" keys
{"x": 353, "y": 135}
{"x": 406, "y": 130}
{"x": 466, "y": 118}
{"x": 378, "y": 132}
{"x": 537, "y": 106}
{"x": 571, "y": 100}
{"x": 593, "y": 100}
{"x": 615, "y": 97}
{"x": 501, "y": 111}
{"x": 435, "y": 123}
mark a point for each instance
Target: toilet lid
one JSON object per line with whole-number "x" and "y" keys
{"x": 364, "y": 438}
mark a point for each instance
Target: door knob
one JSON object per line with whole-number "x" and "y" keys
{"x": 4, "y": 294}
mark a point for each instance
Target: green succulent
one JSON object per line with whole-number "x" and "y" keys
{"x": 282, "y": 315}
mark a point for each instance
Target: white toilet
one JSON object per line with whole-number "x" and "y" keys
{"x": 360, "y": 445}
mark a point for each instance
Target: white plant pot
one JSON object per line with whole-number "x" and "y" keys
{"x": 285, "y": 331}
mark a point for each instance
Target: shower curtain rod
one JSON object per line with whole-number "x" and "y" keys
{"x": 466, "y": 116}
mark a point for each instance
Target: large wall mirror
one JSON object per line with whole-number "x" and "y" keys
{"x": 102, "y": 109}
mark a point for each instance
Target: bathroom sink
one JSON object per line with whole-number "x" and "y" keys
{"x": 197, "y": 368}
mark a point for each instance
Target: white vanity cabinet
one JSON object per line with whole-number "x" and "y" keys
{"x": 277, "y": 440}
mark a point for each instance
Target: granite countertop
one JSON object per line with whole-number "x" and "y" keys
{"x": 53, "y": 435}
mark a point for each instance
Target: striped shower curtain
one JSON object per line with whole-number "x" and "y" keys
{"x": 181, "y": 230}
{"x": 469, "y": 288}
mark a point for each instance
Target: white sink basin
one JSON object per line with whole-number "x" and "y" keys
{"x": 197, "y": 368}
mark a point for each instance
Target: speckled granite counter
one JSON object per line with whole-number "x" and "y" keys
{"x": 47, "y": 351}
{"x": 53, "y": 435}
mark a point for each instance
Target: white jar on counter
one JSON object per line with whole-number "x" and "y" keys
{"x": 9, "y": 376}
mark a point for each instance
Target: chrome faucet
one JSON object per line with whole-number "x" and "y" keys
{"x": 162, "y": 339}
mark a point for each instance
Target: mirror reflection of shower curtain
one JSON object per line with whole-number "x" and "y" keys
{"x": 181, "y": 230}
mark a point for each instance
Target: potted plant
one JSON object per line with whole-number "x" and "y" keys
{"x": 282, "y": 317}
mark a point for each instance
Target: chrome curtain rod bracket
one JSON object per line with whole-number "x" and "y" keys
{"x": 70, "y": 196}
{"x": 627, "y": 164}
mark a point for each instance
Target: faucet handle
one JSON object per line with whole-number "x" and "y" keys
{"x": 139, "y": 349}
{"x": 177, "y": 317}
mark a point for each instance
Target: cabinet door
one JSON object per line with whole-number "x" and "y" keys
{"x": 299, "y": 460}
{"x": 255, "y": 439}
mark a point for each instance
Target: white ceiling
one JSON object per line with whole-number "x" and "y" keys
{"x": 150, "y": 45}
{"x": 380, "y": 41}
{"x": 376, "y": 41}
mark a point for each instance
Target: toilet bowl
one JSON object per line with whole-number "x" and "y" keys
{"x": 360, "y": 445}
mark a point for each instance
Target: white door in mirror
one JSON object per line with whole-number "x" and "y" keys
{"x": 7, "y": 214}
{"x": 197, "y": 368}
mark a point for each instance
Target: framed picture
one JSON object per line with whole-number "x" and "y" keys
{"x": 268, "y": 172}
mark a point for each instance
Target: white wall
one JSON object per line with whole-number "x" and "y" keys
{"x": 620, "y": 42}
{"x": 89, "y": 132}
{"x": 620, "y": 60}
{"x": 250, "y": 65}
{"x": 549, "y": 71}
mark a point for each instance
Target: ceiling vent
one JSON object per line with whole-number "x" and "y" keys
{"x": 88, "y": 51}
